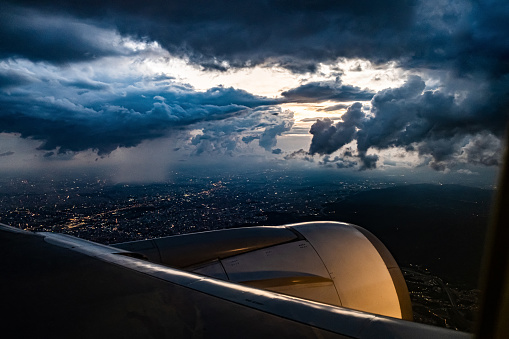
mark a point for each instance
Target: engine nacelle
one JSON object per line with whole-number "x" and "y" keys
{"x": 328, "y": 262}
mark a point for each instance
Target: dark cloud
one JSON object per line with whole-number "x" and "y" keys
{"x": 431, "y": 122}
{"x": 469, "y": 37}
{"x": 483, "y": 149}
{"x": 222, "y": 95}
{"x": 6, "y": 154}
{"x": 333, "y": 108}
{"x": 344, "y": 161}
{"x": 319, "y": 118}
{"x": 327, "y": 90}
{"x": 346, "y": 164}
{"x": 162, "y": 77}
{"x": 247, "y": 139}
{"x": 461, "y": 44}
{"x": 368, "y": 161}
{"x": 186, "y": 96}
{"x": 70, "y": 112}
{"x": 10, "y": 78}
{"x": 38, "y": 36}
{"x": 356, "y": 68}
{"x": 87, "y": 84}
{"x": 300, "y": 154}
{"x": 214, "y": 66}
{"x": 327, "y": 138}
{"x": 394, "y": 109}
{"x": 104, "y": 121}
{"x": 294, "y": 65}
{"x": 222, "y": 34}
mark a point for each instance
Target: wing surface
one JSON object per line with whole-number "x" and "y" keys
{"x": 57, "y": 286}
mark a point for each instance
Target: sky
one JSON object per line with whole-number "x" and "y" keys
{"x": 139, "y": 87}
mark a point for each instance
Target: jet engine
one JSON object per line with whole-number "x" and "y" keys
{"x": 328, "y": 262}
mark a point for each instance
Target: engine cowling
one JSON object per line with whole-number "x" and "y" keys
{"x": 328, "y": 262}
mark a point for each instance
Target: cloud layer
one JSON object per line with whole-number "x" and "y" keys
{"x": 463, "y": 35}
{"x": 73, "y": 75}
{"x": 73, "y": 111}
{"x": 327, "y": 91}
{"x": 435, "y": 124}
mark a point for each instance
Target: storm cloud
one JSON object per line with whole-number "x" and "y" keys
{"x": 41, "y": 36}
{"x": 452, "y": 108}
{"x": 430, "y": 122}
{"x": 328, "y": 138}
{"x": 325, "y": 91}
{"x": 78, "y": 114}
{"x": 219, "y": 35}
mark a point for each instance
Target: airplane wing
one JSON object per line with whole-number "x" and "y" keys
{"x": 56, "y": 286}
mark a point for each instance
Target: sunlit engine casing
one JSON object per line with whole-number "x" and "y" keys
{"x": 328, "y": 262}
